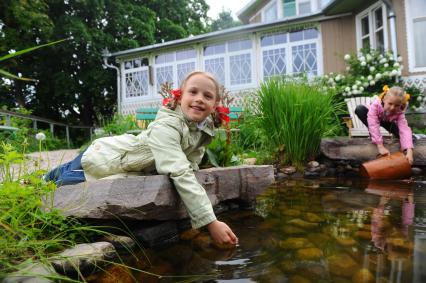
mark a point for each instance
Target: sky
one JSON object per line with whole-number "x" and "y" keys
{"x": 233, "y": 5}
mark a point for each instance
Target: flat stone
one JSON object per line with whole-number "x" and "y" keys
{"x": 361, "y": 149}
{"x": 33, "y": 273}
{"x": 84, "y": 258}
{"x": 154, "y": 198}
{"x": 122, "y": 243}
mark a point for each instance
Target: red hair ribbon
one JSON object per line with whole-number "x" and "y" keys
{"x": 176, "y": 93}
{"x": 223, "y": 113}
{"x": 166, "y": 101}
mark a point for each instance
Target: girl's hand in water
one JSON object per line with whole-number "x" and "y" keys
{"x": 409, "y": 155}
{"x": 221, "y": 233}
{"x": 382, "y": 150}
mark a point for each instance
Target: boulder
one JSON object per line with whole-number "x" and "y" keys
{"x": 154, "y": 198}
{"x": 361, "y": 149}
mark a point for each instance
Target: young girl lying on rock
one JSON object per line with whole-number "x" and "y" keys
{"x": 172, "y": 145}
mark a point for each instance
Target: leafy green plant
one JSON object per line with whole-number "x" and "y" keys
{"x": 367, "y": 73}
{"x": 220, "y": 153}
{"x": 14, "y": 54}
{"x": 295, "y": 115}
{"x": 27, "y": 228}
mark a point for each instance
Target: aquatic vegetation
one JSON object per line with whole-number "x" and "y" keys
{"x": 296, "y": 115}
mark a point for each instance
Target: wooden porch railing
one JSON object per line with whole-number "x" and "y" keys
{"x": 36, "y": 119}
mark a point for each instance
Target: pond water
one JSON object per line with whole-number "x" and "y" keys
{"x": 304, "y": 231}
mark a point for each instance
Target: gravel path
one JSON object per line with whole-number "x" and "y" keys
{"x": 50, "y": 159}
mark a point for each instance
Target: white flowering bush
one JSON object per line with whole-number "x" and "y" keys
{"x": 367, "y": 73}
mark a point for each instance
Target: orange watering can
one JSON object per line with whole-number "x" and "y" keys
{"x": 393, "y": 166}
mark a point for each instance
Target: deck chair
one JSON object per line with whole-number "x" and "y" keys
{"x": 356, "y": 127}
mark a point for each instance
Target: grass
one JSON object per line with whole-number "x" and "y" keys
{"x": 296, "y": 115}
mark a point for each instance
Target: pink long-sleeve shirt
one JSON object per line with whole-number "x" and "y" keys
{"x": 376, "y": 114}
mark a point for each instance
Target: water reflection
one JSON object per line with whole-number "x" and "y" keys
{"x": 309, "y": 231}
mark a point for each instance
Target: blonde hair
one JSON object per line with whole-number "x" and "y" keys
{"x": 207, "y": 75}
{"x": 396, "y": 91}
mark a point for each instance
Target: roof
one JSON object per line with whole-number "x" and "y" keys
{"x": 249, "y": 8}
{"x": 232, "y": 32}
{"x": 344, "y": 6}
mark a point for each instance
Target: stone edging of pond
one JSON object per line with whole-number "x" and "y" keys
{"x": 342, "y": 156}
{"x": 82, "y": 259}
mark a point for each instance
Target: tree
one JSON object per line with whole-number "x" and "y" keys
{"x": 223, "y": 21}
{"x": 71, "y": 84}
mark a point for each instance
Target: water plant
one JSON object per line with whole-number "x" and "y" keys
{"x": 295, "y": 115}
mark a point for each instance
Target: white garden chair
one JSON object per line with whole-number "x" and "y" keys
{"x": 356, "y": 127}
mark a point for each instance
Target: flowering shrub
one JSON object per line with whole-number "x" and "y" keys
{"x": 367, "y": 73}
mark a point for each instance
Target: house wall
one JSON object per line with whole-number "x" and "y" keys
{"x": 338, "y": 39}
{"x": 256, "y": 16}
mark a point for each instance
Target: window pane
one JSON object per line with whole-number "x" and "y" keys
{"x": 418, "y": 8}
{"x": 185, "y": 54}
{"x": 238, "y": 45}
{"x": 419, "y": 28}
{"x": 240, "y": 69}
{"x": 305, "y": 59}
{"x": 273, "y": 63}
{"x": 271, "y": 13}
{"x": 378, "y": 17}
{"x": 366, "y": 42}
{"x": 365, "y": 28}
{"x": 183, "y": 70}
{"x": 267, "y": 40}
{"x": 214, "y": 49}
{"x": 289, "y": 7}
{"x": 137, "y": 84}
{"x": 216, "y": 66}
{"x": 310, "y": 33}
{"x": 296, "y": 36}
{"x": 304, "y": 8}
{"x": 380, "y": 41}
{"x": 164, "y": 74}
{"x": 280, "y": 38}
{"x": 164, "y": 58}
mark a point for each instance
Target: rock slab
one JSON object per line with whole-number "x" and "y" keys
{"x": 361, "y": 149}
{"x": 154, "y": 197}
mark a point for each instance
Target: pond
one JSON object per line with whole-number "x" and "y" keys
{"x": 304, "y": 231}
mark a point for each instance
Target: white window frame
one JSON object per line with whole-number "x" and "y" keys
{"x": 174, "y": 68}
{"x": 124, "y": 72}
{"x": 226, "y": 55}
{"x": 369, "y": 12}
{"x": 410, "y": 41}
{"x": 289, "y": 56}
{"x": 268, "y": 6}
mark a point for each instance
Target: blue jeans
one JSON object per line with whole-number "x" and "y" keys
{"x": 68, "y": 173}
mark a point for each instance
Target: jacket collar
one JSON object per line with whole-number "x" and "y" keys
{"x": 207, "y": 127}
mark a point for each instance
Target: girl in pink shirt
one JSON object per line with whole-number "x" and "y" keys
{"x": 388, "y": 111}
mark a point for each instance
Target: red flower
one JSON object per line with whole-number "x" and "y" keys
{"x": 223, "y": 110}
{"x": 225, "y": 118}
{"x": 176, "y": 93}
{"x": 166, "y": 101}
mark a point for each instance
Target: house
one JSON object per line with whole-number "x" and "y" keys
{"x": 278, "y": 37}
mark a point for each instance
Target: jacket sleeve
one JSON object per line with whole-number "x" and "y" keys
{"x": 405, "y": 134}
{"x": 164, "y": 141}
{"x": 374, "y": 124}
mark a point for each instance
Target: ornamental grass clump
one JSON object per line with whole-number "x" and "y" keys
{"x": 296, "y": 115}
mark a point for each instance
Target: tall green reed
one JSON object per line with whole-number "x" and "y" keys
{"x": 296, "y": 114}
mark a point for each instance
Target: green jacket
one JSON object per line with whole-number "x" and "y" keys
{"x": 172, "y": 145}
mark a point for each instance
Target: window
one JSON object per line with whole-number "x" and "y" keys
{"x": 230, "y": 62}
{"x": 136, "y": 78}
{"x": 304, "y": 7}
{"x": 289, "y": 8}
{"x": 289, "y": 53}
{"x": 173, "y": 67}
{"x": 416, "y": 30}
{"x": 371, "y": 28}
{"x": 270, "y": 13}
